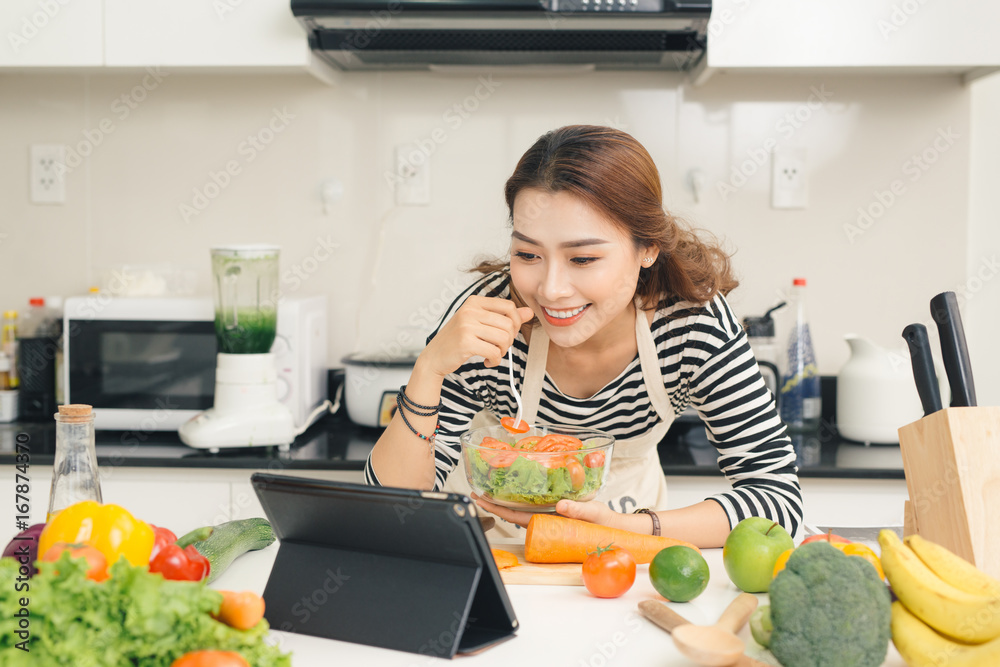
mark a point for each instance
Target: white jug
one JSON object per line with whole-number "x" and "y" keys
{"x": 876, "y": 393}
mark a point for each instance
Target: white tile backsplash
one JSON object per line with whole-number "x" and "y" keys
{"x": 155, "y": 186}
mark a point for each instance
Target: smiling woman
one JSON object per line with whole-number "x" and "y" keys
{"x": 617, "y": 320}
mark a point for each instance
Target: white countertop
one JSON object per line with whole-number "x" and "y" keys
{"x": 562, "y": 626}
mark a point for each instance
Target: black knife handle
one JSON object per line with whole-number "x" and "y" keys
{"x": 915, "y": 336}
{"x": 954, "y": 350}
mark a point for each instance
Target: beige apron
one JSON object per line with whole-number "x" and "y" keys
{"x": 635, "y": 478}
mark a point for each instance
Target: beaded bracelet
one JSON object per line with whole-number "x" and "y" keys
{"x": 402, "y": 413}
{"x": 410, "y": 404}
{"x": 652, "y": 515}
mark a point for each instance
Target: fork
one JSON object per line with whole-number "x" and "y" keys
{"x": 517, "y": 395}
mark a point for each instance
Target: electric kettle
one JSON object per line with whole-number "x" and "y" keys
{"x": 875, "y": 393}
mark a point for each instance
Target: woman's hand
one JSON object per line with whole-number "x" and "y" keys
{"x": 593, "y": 511}
{"x": 482, "y": 326}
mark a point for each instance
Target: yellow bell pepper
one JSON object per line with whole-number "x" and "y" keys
{"x": 111, "y": 529}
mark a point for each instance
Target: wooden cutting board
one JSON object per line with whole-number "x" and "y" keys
{"x": 539, "y": 574}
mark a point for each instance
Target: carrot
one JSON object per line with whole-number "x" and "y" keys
{"x": 240, "y": 610}
{"x": 210, "y": 659}
{"x": 504, "y": 559}
{"x": 556, "y": 539}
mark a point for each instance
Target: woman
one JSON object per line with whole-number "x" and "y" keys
{"x": 630, "y": 327}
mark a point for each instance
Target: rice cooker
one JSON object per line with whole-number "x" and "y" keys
{"x": 371, "y": 382}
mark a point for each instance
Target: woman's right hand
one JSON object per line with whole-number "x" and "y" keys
{"x": 482, "y": 326}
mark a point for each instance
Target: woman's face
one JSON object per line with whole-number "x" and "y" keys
{"x": 575, "y": 269}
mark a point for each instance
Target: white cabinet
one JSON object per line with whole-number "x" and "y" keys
{"x": 203, "y": 33}
{"x": 52, "y": 33}
{"x": 957, "y": 36}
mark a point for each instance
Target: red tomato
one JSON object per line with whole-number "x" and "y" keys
{"x": 556, "y": 442}
{"x": 577, "y": 475}
{"x": 527, "y": 442}
{"x": 609, "y": 572}
{"x": 98, "y": 564}
{"x": 520, "y": 427}
{"x": 594, "y": 460}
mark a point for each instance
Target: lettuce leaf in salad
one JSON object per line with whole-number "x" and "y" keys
{"x": 529, "y": 482}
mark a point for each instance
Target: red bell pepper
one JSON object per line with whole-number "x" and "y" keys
{"x": 179, "y": 564}
{"x": 163, "y": 537}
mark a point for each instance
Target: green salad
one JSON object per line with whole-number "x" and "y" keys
{"x": 133, "y": 618}
{"x": 531, "y": 483}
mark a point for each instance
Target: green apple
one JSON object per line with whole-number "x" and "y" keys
{"x": 751, "y": 550}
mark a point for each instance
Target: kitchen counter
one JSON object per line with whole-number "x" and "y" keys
{"x": 334, "y": 443}
{"x": 559, "y": 625}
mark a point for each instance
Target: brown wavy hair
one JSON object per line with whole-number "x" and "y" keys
{"x": 613, "y": 173}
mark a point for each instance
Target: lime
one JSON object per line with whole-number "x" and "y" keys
{"x": 679, "y": 573}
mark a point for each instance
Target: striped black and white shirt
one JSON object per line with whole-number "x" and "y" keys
{"x": 706, "y": 363}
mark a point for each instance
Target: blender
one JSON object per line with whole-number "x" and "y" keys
{"x": 246, "y": 411}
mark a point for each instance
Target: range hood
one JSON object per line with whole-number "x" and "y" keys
{"x": 428, "y": 34}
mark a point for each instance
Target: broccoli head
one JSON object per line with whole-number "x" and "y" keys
{"x": 829, "y": 610}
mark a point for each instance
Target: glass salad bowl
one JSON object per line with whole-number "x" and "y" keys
{"x": 534, "y": 470}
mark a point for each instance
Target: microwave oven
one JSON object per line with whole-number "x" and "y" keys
{"x": 148, "y": 363}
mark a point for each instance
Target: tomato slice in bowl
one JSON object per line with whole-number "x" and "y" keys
{"x": 527, "y": 442}
{"x": 520, "y": 427}
{"x": 594, "y": 460}
{"x": 493, "y": 443}
{"x": 557, "y": 442}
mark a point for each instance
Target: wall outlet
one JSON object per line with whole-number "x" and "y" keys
{"x": 48, "y": 174}
{"x": 413, "y": 176}
{"x": 789, "y": 179}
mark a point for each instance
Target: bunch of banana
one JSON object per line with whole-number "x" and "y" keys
{"x": 947, "y": 612}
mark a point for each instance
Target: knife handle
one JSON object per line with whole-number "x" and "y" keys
{"x": 954, "y": 350}
{"x": 924, "y": 376}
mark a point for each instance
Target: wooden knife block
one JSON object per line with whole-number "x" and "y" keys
{"x": 951, "y": 460}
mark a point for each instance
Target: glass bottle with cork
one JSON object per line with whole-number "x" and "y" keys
{"x": 74, "y": 473}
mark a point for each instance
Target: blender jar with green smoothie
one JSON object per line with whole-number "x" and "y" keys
{"x": 246, "y": 298}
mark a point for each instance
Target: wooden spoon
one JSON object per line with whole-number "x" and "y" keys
{"x": 708, "y": 645}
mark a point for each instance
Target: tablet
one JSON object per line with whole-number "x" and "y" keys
{"x": 395, "y": 568}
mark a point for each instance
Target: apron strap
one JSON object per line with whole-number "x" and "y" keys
{"x": 651, "y": 374}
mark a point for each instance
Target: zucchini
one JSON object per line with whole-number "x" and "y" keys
{"x": 228, "y": 541}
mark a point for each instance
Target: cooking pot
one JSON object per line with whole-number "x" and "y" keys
{"x": 371, "y": 382}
